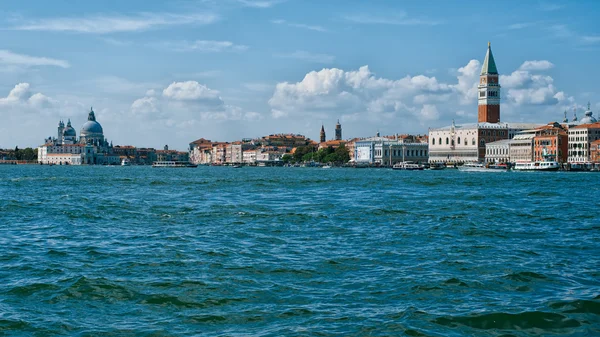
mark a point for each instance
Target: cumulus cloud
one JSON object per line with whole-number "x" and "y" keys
{"x": 184, "y": 102}
{"x": 351, "y": 92}
{"x": 536, "y": 65}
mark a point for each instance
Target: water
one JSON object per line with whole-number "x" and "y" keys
{"x": 127, "y": 251}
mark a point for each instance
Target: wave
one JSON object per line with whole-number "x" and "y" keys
{"x": 507, "y": 321}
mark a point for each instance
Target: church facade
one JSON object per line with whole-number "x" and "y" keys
{"x": 467, "y": 142}
{"x": 91, "y": 148}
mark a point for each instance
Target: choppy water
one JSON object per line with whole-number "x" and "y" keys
{"x": 297, "y": 252}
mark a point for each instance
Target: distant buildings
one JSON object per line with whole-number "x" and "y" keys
{"x": 91, "y": 148}
{"x": 268, "y": 150}
{"x": 467, "y": 143}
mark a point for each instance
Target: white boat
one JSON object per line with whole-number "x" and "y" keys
{"x": 537, "y": 166}
{"x": 480, "y": 167}
{"x": 472, "y": 167}
{"x": 125, "y": 162}
{"x": 326, "y": 166}
{"x": 408, "y": 166}
{"x": 173, "y": 164}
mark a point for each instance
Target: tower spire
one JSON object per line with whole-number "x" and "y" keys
{"x": 489, "y": 65}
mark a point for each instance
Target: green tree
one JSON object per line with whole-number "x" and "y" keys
{"x": 287, "y": 158}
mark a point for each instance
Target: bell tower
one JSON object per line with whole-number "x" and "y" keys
{"x": 322, "y": 134}
{"x": 488, "y": 107}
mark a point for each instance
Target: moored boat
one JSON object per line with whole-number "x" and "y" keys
{"x": 125, "y": 162}
{"x": 537, "y": 166}
{"x": 173, "y": 164}
{"x": 407, "y": 166}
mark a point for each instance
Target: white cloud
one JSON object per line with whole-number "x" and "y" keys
{"x": 105, "y": 24}
{"x": 145, "y": 106}
{"x": 9, "y": 58}
{"x": 310, "y": 57}
{"x": 206, "y": 46}
{"x": 184, "y": 103}
{"x": 468, "y": 79}
{"x": 401, "y": 19}
{"x": 259, "y": 87}
{"x": 536, "y": 65}
{"x": 300, "y": 25}
{"x": 191, "y": 91}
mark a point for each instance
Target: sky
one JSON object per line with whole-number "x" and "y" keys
{"x": 158, "y": 72}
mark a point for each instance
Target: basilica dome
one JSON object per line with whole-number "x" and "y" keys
{"x": 91, "y": 127}
{"x": 588, "y": 119}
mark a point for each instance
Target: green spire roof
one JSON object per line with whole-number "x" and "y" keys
{"x": 489, "y": 66}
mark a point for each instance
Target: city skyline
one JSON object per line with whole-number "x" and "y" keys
{"x": 225, "y": 70}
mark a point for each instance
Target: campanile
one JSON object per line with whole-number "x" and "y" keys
{"x": 489, "y": 91}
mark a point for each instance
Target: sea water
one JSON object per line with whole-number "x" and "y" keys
{"x": 216, "y": 251}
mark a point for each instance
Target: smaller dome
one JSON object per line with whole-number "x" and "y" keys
{"x": 69, "y": 132}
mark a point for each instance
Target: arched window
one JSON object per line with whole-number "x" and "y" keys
{"x": 482, "y": 142}
{"x": 440, "y": 141}
{"x": 466, "y": 142}
{"x": 446, "y": 140}
{"x": 473, "y": 141}
{"x": 458, "y": 141}
{"x": 433, "y": 141}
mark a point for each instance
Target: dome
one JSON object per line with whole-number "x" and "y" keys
{"x": 588, "y": 116}
{"x": 69, "y": 132}
{"x": 91, "y": 127}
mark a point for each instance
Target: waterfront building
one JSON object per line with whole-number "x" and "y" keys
{"x": 467, "y": 142}
{"x": 201, "y": 151}
{"x": 387, "y": 151}
{"x": 233, "y": 153}
{"x": 551, "y": 143}
{"x": 580, "y": 139}
{"x": 595, "y": 151}
{"x": 498, "y": 151}
{"x": 249, "y": 156}
{"x": 91, "y": 148}
{"x": 521, "y": 147}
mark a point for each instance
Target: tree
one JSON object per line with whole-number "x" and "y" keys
{"x": 287, "y": 158}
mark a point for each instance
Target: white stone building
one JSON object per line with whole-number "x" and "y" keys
{"x": 386, "y": 151}
{"x": 580, "y": 138}
{"x": 498, "y": 151}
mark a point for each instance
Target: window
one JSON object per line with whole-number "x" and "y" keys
{"x": 440, "y": 141}
{"x": 446, "y": 140}
{"x": 433, "y": 141}
{"x": 482, "y": 142}
{"x": 458, "y": 141}
{"x": 473, "y": 141}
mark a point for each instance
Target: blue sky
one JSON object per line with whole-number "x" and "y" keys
{"x": 170, "y": 72}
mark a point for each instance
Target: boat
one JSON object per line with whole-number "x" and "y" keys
{"x": 436, "y": 167}
{"x": 408, "y": 166}
{"x": 472, "y": 167}
{"x": 480, "y": 167}
{"x": 537, "y": 166}
{"x": 237, "y": 166}
{"x": 125, "y": 162}
{"x": 173, "y": 164}
{"x": 326, "y": 166}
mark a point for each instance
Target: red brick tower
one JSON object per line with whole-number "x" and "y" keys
{"x": 489, "y": 91}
